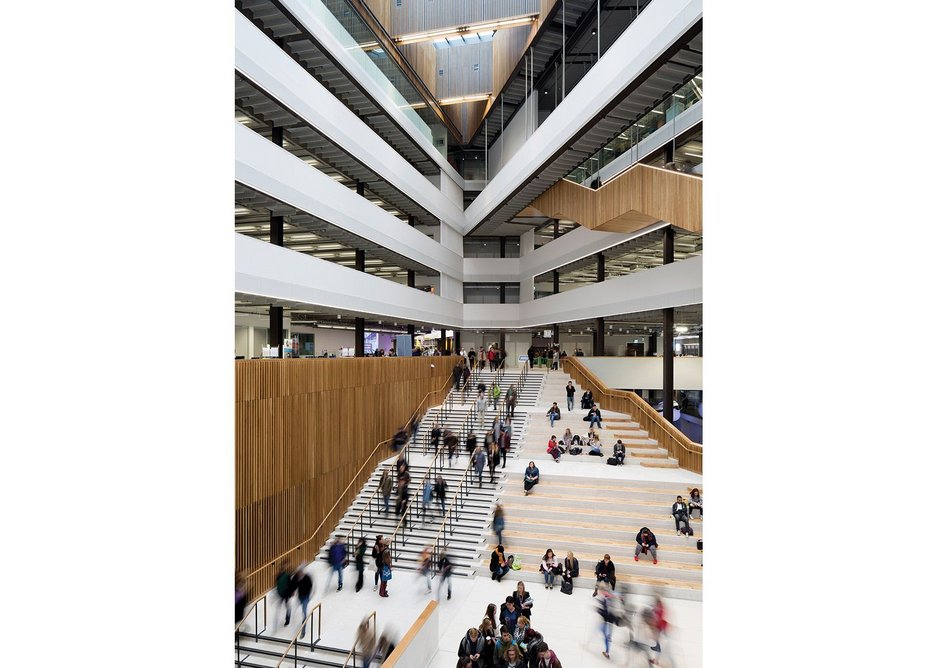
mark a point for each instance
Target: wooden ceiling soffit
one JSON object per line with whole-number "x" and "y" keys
{"x": 386, "y": 43}
{"x": 635, "y": 199}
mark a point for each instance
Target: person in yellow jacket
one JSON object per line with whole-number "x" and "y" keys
{"x": 495, "y": 393}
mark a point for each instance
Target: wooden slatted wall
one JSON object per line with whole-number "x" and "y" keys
{"x": 304, "y": 428}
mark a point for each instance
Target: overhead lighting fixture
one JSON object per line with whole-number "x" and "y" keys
{"x": 681, "y": 329}
{"x": 655, "y": 111}
{"x": 680, "y": 97}
{"x": 464, "y": 98}
{"x": 431, "y": 35}
{"x": 639, "y": 125}
{"x": 696, "y": 155}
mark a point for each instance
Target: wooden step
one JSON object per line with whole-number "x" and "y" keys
{"x": 534, "y": 557}
{"x": 659, "y": 464}
{"x": 618, "y": 545}
{"x": 621, "y": 578}
{"x": 655, "y": 454}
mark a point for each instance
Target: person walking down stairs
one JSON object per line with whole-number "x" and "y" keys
{"x": 571, "y": 391}
{"x": 511, "y": 398}
{"x": 498, "y": 522}
{"x": 478, "y": 462}
{"x": 480, "y": 409}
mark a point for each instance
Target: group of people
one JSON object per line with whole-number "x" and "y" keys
{"x": 552, "y": 354}
{"x": 493, "y": 355}
{"x": 508, "y": 640}
{"x": 682, "y": 511}
{"x": 572, "y": 444}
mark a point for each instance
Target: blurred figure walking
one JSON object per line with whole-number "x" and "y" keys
{"x": 285, "y": 588}
{"x": 337, "y": 559}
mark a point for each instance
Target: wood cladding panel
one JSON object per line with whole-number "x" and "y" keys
{"x": 304, "y": 429}
{"x": 629, "y": 202}
{"x": 413, "y": 16}
{"x": 382, "y": 11}
{"x": 466, "y": 70}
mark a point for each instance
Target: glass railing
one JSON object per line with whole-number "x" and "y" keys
{"x": 358, "y": 39}
{"x": 667, "y": 110}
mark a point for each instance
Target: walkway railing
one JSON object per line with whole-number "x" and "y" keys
{"x": 257, "y": 630}
{"x": 450, "y": 517}
{"x": 295, "y": 643}
{"x": 354, "y": 654}
{"x": 688, "y": 454}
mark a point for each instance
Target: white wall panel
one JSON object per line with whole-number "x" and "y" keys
{"x": 271, "y": 271}
{"x": 646, "y": 373}
{"x": 491, "y": 269}
{"x": 262, "y": 165}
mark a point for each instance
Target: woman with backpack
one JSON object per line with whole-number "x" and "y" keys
{"x": 376, "y": 551}
{"x": 385, "y": 571}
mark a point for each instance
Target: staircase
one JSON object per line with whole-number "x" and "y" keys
{"x": 475, "y": 511}
{"x": 528, "y": 393}
{"x": 639, "y": 448}
{"x": 265, "y": 651}
{"x": 553, "y": 516}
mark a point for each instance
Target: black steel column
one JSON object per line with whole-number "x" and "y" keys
{"x": 275, "y": 327}
{"x": 501, "y": 343}
{"x": 411, "y": 279}
{"x": 556, "y": 282}
{"x": 360, "y": 188}
{"x": 501, "y": 246}
{"x": 652, "y": 343}
{"x": 599, "y": 338}
{"x": 555, "y": 339}
{"x": 501, "y": 293}
{"x": 668, "y": 245}
{"x": 700, "y": 342}
{"x": 276, "y": 230}
{"x": 359, "y": 260}
{"x": 669, "y": 152}
{"x": 276, "y": 135}
{"x": 668, "y": 382}
{"x": 600, "y": 267}
{"x": 359, "y": 337}
{"x": 556, "y": 227}
{"x": 456, "y": 343}
{"x": 411, "y": 221}
{"x": 410, "y": 331}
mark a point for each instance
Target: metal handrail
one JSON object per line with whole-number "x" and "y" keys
{"x": 458, "y": 502}
{"x": 257, "y": 631}
{"x": 295, "y": 642}
{"x": 353, "y": 653}
{"x": 435, "y": 465}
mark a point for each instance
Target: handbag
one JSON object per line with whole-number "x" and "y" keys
{"x": 385, "y": 573}
{"x": 557, "y": 570}
{"x": 566, "y": 587}
{"x": 515, "y": 563}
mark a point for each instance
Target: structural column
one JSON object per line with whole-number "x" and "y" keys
{"x": 668, "y": 337}
{"x": 556, "y": 282}
{"x": 599, "y": 338}
{"x": 359, "y": 322}
{"x": 600, "y": 267}
{"x": 411, "y": 277}
{"x": 275, "y": 327}
{"x": 456, "y": 343}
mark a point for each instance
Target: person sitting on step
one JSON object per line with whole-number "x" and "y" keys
{"x": 594, "y": 417}
{"x": 553, "y": 449}
{"x": 499, "y": 564}
{"x": 586, "y": 401}
{"x": 605, "y": 572}
{"x": 571, "y": 568}
{"x": 646, "y": 542}
{"x": 595, "y": 447}
{"x": 679, "y": 513}
{"x": 532, "y": 476}
{"x": 575, "y": 447}
{"x": 695, "y": 502}
{"x": 618, "y": 451}
{"x": 553, "y": 413}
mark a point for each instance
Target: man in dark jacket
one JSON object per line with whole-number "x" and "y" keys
{"x": 445, "y": 570}
{"x": 457, "y": 376}
{"x": 285, "y": 589}
{"x": 337, "y": 558}
{"x": 571, "y": 391}
{"x": 471, "y": 646}
{"x": 594, "y": 417}
{"x": 435, "y": 434}
{"x": 646, "y": 542}
{"x": 509, "y": 614}
{"x": 679, "y": 513}
{"x": 605, "y": 572}
{"x": 304, "y": 589}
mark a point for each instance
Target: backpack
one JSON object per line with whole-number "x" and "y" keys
{"x": 612, "y": 461}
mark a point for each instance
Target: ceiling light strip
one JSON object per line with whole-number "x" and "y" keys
{"x": 460, "y": 30}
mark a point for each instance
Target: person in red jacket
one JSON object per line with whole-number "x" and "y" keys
{"x": 546, "y": 657}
